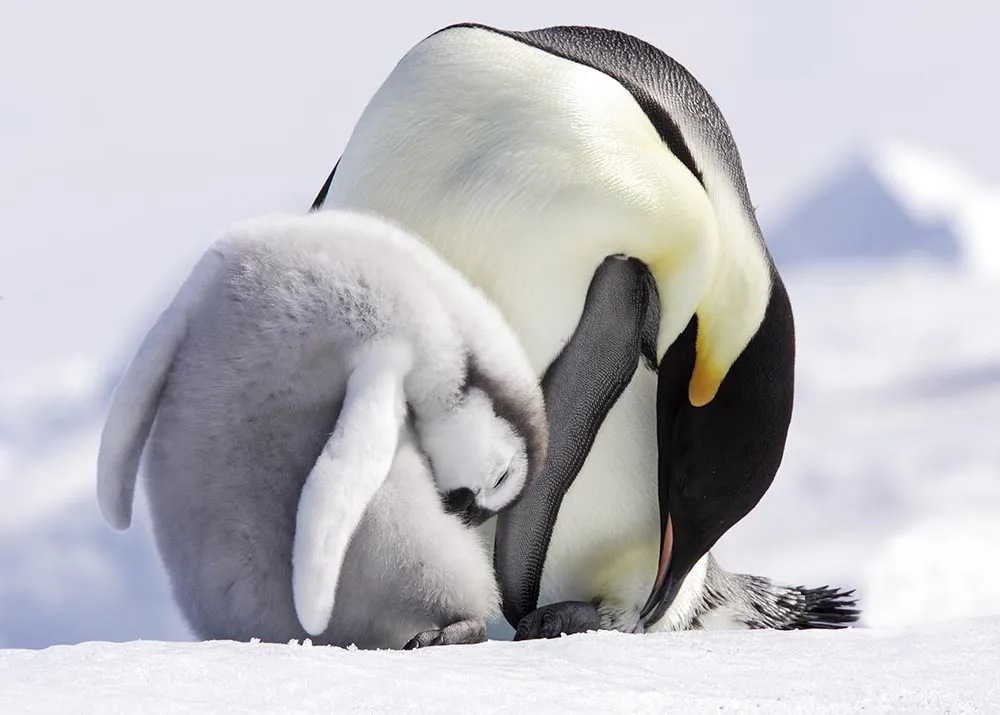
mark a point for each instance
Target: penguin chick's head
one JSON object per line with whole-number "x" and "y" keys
{"x": 479, "y": 459}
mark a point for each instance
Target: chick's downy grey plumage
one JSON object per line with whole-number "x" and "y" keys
{"x": 410, "y": 568}
{"x": 302, "y": 351}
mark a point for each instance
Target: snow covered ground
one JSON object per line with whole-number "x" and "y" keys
{"x": 948, "y": 669}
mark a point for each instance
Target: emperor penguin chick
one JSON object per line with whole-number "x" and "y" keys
{"x": 326, "y": 410}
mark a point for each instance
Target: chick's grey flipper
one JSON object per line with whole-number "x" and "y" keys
{"x": 618, "y": 326}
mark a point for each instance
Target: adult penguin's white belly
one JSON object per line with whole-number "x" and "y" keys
{"x": 525, "y": 170}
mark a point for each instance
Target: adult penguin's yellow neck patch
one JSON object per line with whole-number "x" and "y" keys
{"x": 728, "y": 289}
{"x": 706, "y": 379}
{"x": 731, "y": 310}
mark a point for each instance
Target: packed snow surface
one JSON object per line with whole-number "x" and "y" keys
{"x": 944, "y": 669}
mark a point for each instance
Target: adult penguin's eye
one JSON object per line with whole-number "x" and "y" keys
{"x": 500, "y": 480}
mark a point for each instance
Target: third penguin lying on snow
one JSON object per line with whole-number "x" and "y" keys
{"x": 329, "y": 410}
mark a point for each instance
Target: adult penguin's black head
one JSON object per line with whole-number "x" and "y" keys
{"x": 717, "y": 460}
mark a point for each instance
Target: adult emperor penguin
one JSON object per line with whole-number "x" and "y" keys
{"x": 554, "y": 148}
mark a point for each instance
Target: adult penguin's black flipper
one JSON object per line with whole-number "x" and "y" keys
{"x": 618, "y": 326}
{"x": 324, "y": 190}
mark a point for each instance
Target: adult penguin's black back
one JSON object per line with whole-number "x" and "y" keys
{"x": 525, "y": 158}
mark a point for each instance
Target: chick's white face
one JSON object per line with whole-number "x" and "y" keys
{"x": 479, "y": 461}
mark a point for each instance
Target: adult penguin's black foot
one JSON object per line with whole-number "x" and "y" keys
{"x": 554, "y": 620}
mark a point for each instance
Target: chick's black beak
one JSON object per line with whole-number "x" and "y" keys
{"x": 458, "y": 500}
{"x": 462, "y": 503}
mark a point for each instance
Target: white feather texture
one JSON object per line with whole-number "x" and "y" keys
{"x": 471, "y": 124}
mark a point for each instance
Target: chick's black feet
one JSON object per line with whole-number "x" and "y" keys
{"x": 469, "y": 631}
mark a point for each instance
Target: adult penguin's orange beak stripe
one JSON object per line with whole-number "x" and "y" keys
{"x": 665, "y": 550}
{"x": 667, "y": 583}
{"x": 669, "y": 578}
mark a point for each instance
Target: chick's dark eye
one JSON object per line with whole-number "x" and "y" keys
{"x": 502, "y": 478}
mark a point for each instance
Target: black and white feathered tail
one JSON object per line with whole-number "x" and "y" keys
{"x": 757, "y": 603}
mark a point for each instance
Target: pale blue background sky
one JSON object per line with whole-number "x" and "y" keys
{"x": 132, "y": 133}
